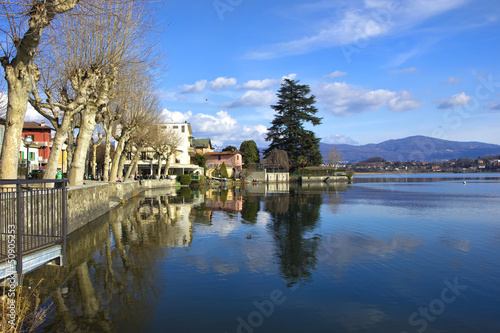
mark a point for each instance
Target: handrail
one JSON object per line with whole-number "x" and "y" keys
{"x": 34, "y": 217}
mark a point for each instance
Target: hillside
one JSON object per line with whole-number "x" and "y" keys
{"x": 418, "y": 148}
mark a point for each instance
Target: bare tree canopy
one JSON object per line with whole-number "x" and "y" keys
{"x": 75, "y": 25}
{"x": 278, "y": 158}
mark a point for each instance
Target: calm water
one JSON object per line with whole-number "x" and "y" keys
{"x": 386, "y": 254}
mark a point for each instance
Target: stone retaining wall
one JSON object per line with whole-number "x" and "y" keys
{"x": 92, "y": 200}
{"x": 86, "y": 203}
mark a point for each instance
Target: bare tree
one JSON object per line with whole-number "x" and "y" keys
{"x": 334, "y": 157}
{"x": 23, "y": 23}
{"x": 168, "y": 140}
{"x": 21, "y": 72}
{"x": 140, "y": 139}
{"x": 278, "y": 158}
{"x": 140, "y": 110}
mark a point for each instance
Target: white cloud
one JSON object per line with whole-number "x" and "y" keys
{"x": 453, "y": 80}
{"x": 342, "y": 99}
{"x": 194, "y": 88}
{"x": 358, "y": 24}
{"x": 221, "y": 128}
{"x": 403, "y": 101}
{"x": 335, "y": 74}
{"x": 266, "y": 83}
{"x": 453, "y": 101}
{"x": 221, "y": 82}
{"x": 253, "y": 98}
{"x": 405, "y": 70}
{"x": 494, "y": 106}
{"x": 339, "y": 139}
{"x": 176, "y": 116}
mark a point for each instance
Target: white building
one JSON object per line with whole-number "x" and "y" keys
{"x": 180, "y": 161}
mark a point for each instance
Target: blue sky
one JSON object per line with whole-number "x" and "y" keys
{"x": 380, "y": 69}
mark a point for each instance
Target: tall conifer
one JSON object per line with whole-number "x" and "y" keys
{"x": 287, "y": 132}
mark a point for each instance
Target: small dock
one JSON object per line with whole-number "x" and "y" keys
{"x": 33, "y": 225}
{"x": 32, "y": 261}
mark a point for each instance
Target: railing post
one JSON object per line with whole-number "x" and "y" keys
{"x": 64, "y": 221}
{"x": 19, "y": 230}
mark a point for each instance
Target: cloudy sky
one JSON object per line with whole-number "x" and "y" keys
{"x": 380, "y": 69}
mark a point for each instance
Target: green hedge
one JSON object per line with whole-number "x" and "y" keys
{"x": 185, "y": 179}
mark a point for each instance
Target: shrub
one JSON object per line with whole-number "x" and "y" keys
{"x": 185, "y": 179}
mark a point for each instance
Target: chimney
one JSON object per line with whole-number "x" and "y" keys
{"x": 42, "y": 123}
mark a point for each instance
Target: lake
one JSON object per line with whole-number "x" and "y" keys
{"x": 389, "y": 253}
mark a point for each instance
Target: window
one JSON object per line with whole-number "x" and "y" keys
{"x": 21, "y": 155}
{"x": 219, "y": 157}
{"x": 176, "y": 127}
{"x": 182, "y": 129}
{"x": 143, "y": 155}
{"x": 32, "y": 156}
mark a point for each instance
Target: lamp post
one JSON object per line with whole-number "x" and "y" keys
{"x": 63, "y": 149}
{"x": 28, "y": 141}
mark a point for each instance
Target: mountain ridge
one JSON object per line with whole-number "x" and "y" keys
{"x": 417, "y": 148}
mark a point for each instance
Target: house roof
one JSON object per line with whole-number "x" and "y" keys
{"x": 35, "y": 126}
{"x": 219, "y": 153}
{"x": 202, "y": 143}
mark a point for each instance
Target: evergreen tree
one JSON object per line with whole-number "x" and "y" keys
{"x": 287, "y": 132}
{"x": 250, "y": 151}
{"x": 223, "y": 171}
{"x": 229, "y": 148}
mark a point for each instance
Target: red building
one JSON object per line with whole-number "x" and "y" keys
{"x": 40, "y": 133}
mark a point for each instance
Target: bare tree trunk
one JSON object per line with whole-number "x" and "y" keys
{"x": 87, "y": 125}
{"x": 16, "y": 110}
{"x": 116, "y": 157}
{"x": 121, "y": 165}
{"x": 70, "y": 150}
{"x": 107, "y": 152}
{"x": 133, "y": 163}
{"x": 159, "y": 165}
{"x": 94, "y": 154}
{"x": 167, "y": 166}
{"x": 55, "y": 151}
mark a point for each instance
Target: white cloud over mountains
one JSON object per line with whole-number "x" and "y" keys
{"x": 343, "y": 99}
{"x": 339, "y": 139}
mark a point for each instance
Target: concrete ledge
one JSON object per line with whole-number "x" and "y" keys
{"x": 157, "y": 183}
{"x": 125, "y": 191}
{"x": 328, "y": 179}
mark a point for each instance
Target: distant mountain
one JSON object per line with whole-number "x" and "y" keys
{"x": 418, "y": 148}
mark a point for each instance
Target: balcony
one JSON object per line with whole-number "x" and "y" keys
{"x": 42, "y": 143}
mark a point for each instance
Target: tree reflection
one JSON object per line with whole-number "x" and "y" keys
{"x": 250, "y": 209}
{"x": 294, "y": 218}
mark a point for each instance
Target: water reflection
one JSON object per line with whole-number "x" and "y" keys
{"x": 294, "y": 218}
{"x": 160, "y": 261}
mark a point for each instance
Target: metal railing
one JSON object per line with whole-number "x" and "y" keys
{"x": 33, "y": 216}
